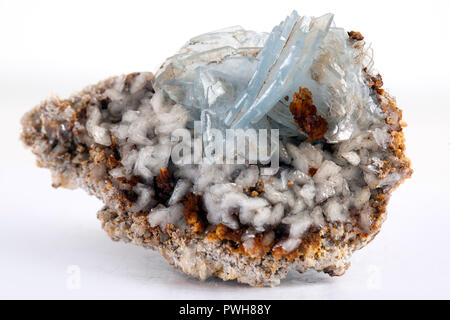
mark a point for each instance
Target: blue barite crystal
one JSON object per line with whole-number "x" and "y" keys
{"x": 239, "y": 79}
{"x": 284, "y": 60}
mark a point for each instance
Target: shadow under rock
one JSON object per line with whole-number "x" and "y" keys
{"x": 157, "y": 268}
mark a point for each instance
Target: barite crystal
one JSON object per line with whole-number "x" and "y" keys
{"x": 341, "y": 151}
{"x": 238, "y": 79}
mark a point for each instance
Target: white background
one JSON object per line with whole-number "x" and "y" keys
{"x": 57, "y": 47}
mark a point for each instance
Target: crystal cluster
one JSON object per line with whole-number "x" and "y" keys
{"x": 239, "y": 79}
{"x": 341, "y": 151}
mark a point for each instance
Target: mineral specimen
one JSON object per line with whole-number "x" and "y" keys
{"x": 340, "y": 149}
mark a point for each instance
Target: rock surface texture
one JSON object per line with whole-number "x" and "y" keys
{"x": 341, "y": 151}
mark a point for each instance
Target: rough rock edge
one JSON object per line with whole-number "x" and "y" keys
{"x": 206, "y": 257}
{"x": 200, "y": 256}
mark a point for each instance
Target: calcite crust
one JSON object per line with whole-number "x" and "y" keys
{"x": 328, "y": 198}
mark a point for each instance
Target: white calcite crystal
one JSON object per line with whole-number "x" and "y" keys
{"x": 341, "y": 151}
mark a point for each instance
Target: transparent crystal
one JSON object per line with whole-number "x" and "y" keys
{"x": 239, "y": 79}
